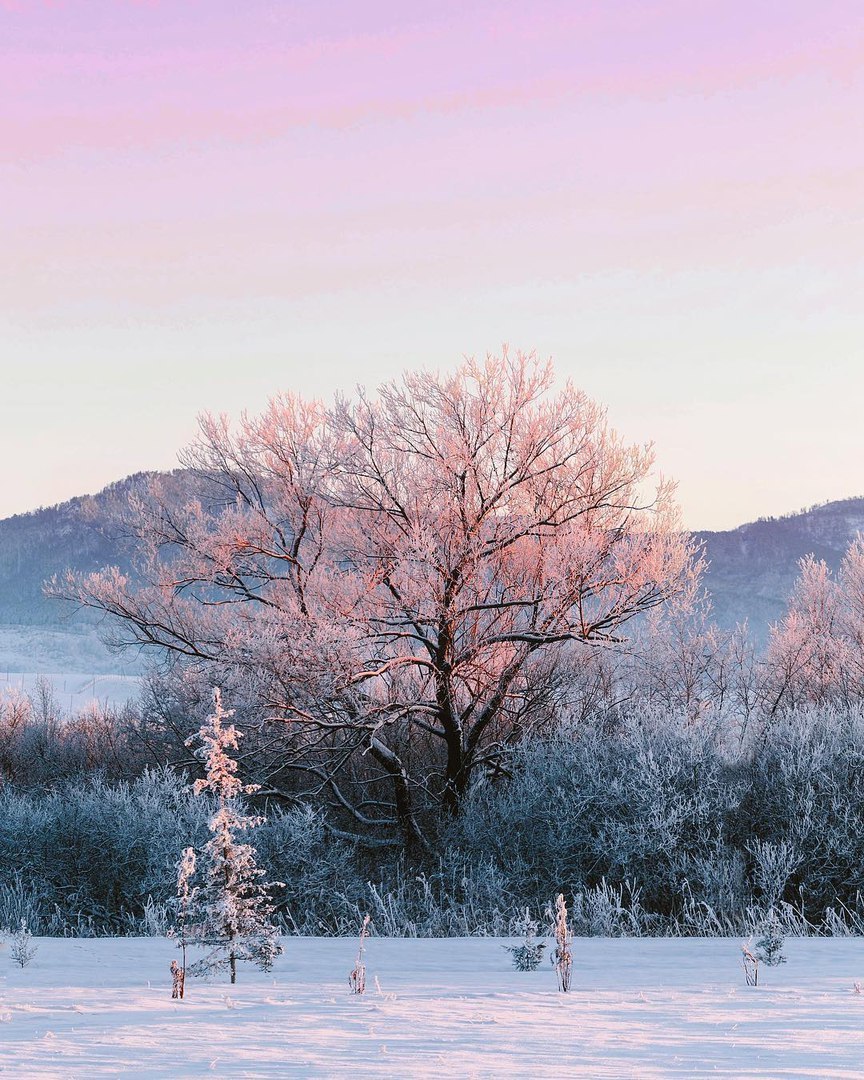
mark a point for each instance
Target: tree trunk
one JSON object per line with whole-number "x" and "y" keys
{"x": 455, "y": 778}
{"x": 456, "y": 775}
{"x": 415, "y": 842}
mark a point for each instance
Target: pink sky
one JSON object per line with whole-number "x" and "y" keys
{"x": 205, "y": 203}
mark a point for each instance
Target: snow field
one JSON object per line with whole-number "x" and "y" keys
{"x": 73, "y": 692}
{"x": 639, "y": 1008}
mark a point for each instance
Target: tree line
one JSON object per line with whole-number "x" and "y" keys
{"x": 464, "y": 635}
{"x": 396, "y": 591}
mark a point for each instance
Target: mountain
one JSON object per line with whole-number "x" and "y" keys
{"x": 38, "y": 634}
{"x": 750, "y": 574}
{"x": 752, "y": 569}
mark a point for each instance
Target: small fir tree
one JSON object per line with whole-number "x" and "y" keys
{"x": 22, "y": 949}
{"x": 233, "y": 905}
{"x": 766, "y": 948}
{"x": 528, "y": 954}
{"x": 562, "y": 958}
{"x": 769, "y": 944}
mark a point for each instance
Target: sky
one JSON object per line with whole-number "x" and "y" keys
{"x": 205, "y": 203}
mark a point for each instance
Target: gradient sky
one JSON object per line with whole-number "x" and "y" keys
{"x": 203, "y": 203}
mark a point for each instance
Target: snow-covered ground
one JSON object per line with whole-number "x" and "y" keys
{"x": 639, "y": 1008}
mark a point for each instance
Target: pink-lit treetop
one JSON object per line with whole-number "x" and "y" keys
{"x": 816, "y": 652}
{"x": 406, "y": 577}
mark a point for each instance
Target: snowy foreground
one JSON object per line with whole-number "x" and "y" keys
{"x": 639, "y": 1008}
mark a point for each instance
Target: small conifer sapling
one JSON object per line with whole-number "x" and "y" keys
{"x": 769, "y": 944}
{"x": 528, "y": 954}
{"x": 22, "y": 949}
{"x": 232, "y": 904}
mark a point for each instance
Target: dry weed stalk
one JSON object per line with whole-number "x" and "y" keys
{"x": 357, "y": 978}
{"x": 751, "y": 965}
{"x": 562, "y": 958}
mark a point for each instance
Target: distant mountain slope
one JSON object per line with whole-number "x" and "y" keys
{"x": 751, "y": 571}
{"x": 39, "y": 634}
{"x": 753, "y": 568}
{"x": 37, "y": 545}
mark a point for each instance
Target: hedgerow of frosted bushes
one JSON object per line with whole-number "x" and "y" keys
{"x": 654, "y": 826}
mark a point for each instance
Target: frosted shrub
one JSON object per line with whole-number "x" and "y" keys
{"x": 528, "y": 954}
{"x": 20, "y": 902}
{"x": 85, "y": 858}
{"x": 324, "y": 891}
{"x": 656, "y": 826}
{"x": 601, "y": 911}
{"x": 848, "y": 921}
{"x": 22, "y": 949}
{"x": 775, "y": 863}
{"x": 154, "y": 920}
{"x": 454, "y": 898}
{"x": 721, "y": 888}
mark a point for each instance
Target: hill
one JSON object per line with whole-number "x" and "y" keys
{"x": 751, "y": 571}
{"x": 38, "y": 634}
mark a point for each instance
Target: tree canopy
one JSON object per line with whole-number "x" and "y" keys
{"x": 405, "y": 577}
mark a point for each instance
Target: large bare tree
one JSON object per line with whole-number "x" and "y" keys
{"x": 402, "y": 576}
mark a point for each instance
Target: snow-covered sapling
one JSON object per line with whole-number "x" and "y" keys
{"x": 22, "y": 949}
{"x": 766, "y": 949}
{"x": 232, "y": 905}
{"x": 528, "y": 954}
{"x": 769, "y": 945}
{"x": 357, "y": 978}
{"x": 184, "y": 903}
{"x": 562, "y": 958}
